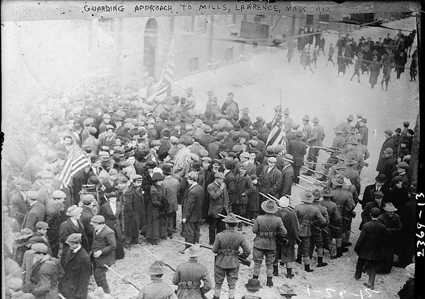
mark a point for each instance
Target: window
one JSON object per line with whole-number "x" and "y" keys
{"x": 231, "y": 19}
{"x": 228, "y": 54}
{"x": 106, "y": 24}
{"x": 201, "y": 23}
{"x": 310, "y": 19}
{"x": 188, "y": 23}
{"x": 324, "y": 18}
{"x": 193, "y": 64}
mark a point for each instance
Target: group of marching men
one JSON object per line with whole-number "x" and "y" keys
{"x": 145, "y": 162}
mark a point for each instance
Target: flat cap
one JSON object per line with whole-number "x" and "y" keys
{"x": 219, "y": 175}
{"x": 58, "y": 194}
{"x": 41, "y": 224}
{"x": 389, "y": 132}
{"x": 74, "y": 238}
{"x": 98, "y": 219}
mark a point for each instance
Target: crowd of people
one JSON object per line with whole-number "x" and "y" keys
{"x": 145, "y": 162}
{"x": 366, "y": 56}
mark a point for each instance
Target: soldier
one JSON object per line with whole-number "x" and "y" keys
{"x": 286, "y": 252}
{"x": 345, "y": 127}
{"x": 266, "y": 227}
{"x": 157, "y": 288}
{"x": 345, "y": 203}
{"x": 308, "y": 215}
{"x": 226, "y": 246}
{"x": 297, "y": 148}
{"x": 335, "y": 223}
{"x": 306, "y": 130}
{"x": 316, "y": 139}
{"x": 188, "y": 276}
{"x": 316, "y": 233}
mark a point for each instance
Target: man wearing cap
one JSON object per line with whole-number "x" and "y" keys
{"x": 387, "y": 164}
{"x": 402, "y": 170}
{"x": 308, "y": 215}
{"x": 36, "y": 211}
{"x": 219, "y": 203}
{"x": 103, "y": 251}
{"x": 251, "y": 168}
{"x": 181, "y": 164}
{"x": 370, "y": 247}
{"x": 243, "y": 189}
{"x": 77, "y": 269}
{"x": 266, "y": 227}
{"x": 377, "y": 203}
{"x": 46, "y": 188}
{"x": 316, "y": 139}
{"x": 157, "y": 288}
{"x": 287, "y": 175}
{"x": 40, "y": 235}
{"x": 14, "y": 289}
{"x": 73, "y": 225}
{"x": 43, "y": 282}
{"x": 363, "y": 131}
{"x": 393, "y": 225}
{"x": 90, "y": 208}
{"x": 388, "y": 143}
{"x": 297, "y": 148}
{"x": 226, "y": 246}
{"x": 270, "y": 179}
{"x": 287, "y": 121}
{"x": 286, "y": 252}
{"x": 230, "y": 108}
{"x": 18, "y": 204}
{"x": 408, "y": 289}
{"x": 107, "y": 138}
{"x": 188, "y": 276}
{"x": 78, "y": 180}
{"x": 134, "y": 211}
{"x": 351, "y": 173}
{"x": 316, "y": 239}
{"x": 379, "y": 185}
{"x": 345, "y": 126}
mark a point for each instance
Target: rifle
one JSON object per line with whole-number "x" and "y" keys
{"x": 242, "y": 260}
{"x": 165, "y": 264}
{"x": 123, "y": 278}
{"x": 324, "y": 148}
{"x": 243, "y": 221}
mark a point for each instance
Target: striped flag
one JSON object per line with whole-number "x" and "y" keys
{"x": 167, "y": 75}
{"x": 277, "y": 134}
{"x": 75, "y": 162}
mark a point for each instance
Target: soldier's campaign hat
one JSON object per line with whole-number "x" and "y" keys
{"x": 193, "y": 251}
{"x": 269, "y": 206}
{"x": 286, "y": 111}
{"x": 41, "y": 225}
{"x": 306, "y": 118}
{"x": 231, "y": 218}
{"x": 327, "y": 192}
{"x": 219, "y": 175}
{"x": 389, "y": 207}
{"x": 306, "y": 196}
{"x": 283, "y": 202}
{"x": 157, "y": 268}
{"x": 315, "y": 119}
{"x": 316, "y": 194}
{"x": 338, "y": 181}
{"x": 40, "y": 248}
{"x": 286, "y": 291}
{"x": 74, "y": 238}
{"x": 58, "y": 194}
{"x": 381, "y": 178}
{"x": 99, "y": 219}
{"x": 73, "y": 210}
{"x": 253, "y": 285}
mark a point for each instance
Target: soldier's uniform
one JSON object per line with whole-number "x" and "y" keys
{"x": 335, "y": 222}
{"x": 188, "y": 276}
{"x": 317, "y": 136}
{"x": 157, "y": 288}
{"x": 226, "y": 246}
{"x": 316, "y": 233}
{"x": 345, "y": 203}
{"x": 308, "y": 215}
{"x": 266, "y": 227}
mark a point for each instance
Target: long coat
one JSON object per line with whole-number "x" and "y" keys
{"x": 114, "y": 222}
{"x": 192, "y": 209}
{"x": 388, "y": 143}
{"x": 370, "y": 245}
{"x": 297, "y": 149}
{"x": 77, "y": 267}
{"x": 219, "y": 200}
{"x": 35, "y": 213}
{"x": 194, "y": 272}
{"x": 54, "y": 220}
{"x": 287, "y": 179}
{"x": 67, "y": 228}
{"x": 134, "y": 212}
{"x": 44, "y": 278}
{"x": 171, "y": 187}
{"x": 86, "y": 216}
{"x": 290, "y": 222}
{"x": 243, "y": 188}
{"x": 156, "y": 216}
{"x": 104, "y": 240}
{"x": 270, "y": 182}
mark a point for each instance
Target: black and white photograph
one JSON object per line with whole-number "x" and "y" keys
{"x": 211, "y": 149}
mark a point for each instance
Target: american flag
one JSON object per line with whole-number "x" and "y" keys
{"x": 74, "y": 163}
{"x": 167, "y": 75}
{"x": 277, "y": 134}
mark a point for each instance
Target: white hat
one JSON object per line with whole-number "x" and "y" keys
{"x": 283, "y": 202}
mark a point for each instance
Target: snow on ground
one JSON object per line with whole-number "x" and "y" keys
{"x": 256, "y": 85}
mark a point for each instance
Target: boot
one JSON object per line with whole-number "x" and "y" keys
{"x": 254, "y": 276}
{"x": 307, "y": 268}
{"x": 275, "y": 270}
{"x": 308, "y": 173}
{"x": 323, "y": 178}
{"x": 269, "y": 281}
{"x": 338, "y": 252}
{"x": 298, "y": 260}
{"x": 321, "y": 263}
{"x": 289, "y": 273}
{"x": 343, "y": 249}
{"x": 346, "y": 244}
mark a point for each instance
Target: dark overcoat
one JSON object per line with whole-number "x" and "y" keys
{"x": 370, "y": 245}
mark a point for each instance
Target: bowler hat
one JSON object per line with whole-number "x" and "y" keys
{"x": 306, "y": 196}
{"x": 269, "y": 206}
{"x": 231, "y": 218}
{"x": 253, "y": 285}
{"x": 193, "y": 251}
{"x": 156, "y": 177}
{"x": 381, "y": 178}
{"x": 389, "y": 207}
{"x": 166, "y": 169}
{"x": 157, "y": 268}
{"x": 74, "y": 238}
